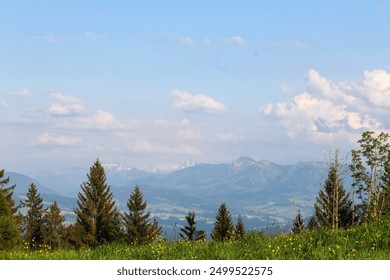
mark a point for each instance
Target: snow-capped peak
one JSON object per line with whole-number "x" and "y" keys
{"x": 116, "y": 167}
{"x": 170, "y": 167}
{"x": 243, "y": 161}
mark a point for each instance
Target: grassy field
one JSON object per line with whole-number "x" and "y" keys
{"x": 369, "y": 241}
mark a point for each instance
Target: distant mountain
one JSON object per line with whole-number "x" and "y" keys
{"x": 23, "y": 183}
{"x": 264, "y": 193}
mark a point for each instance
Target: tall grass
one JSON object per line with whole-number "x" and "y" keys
{"x": 368, "y": 241}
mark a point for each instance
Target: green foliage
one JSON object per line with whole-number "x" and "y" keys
{"x": 369, "y": 241}
{"x": 9, "y": 232}
{"x": 190, "y": 232}
{"x": 33, "y": 221}
{"x": 370, "y": 172}
{"x": 139, "y": 230}
{"x": 53, "y": 227}
{"x": 98, "y": 219}
{"x": 312, "y": 224}
{"x": 333, "y": 207}
{"x": 239, "y": 231}
{"x": 298, "y": 226}
{"x": 223, "y": 226}
{"x": 8, "y": 191}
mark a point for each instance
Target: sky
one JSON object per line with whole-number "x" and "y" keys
{"x": 153, "y": 83}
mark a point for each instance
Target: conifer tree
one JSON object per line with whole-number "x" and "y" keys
{"x": 333, "y": 208}
{"x": 8, "y": 191}
{"x": 53, "y": 226}
{"x": 240, "y": 229}
{"x": 190, "y": 232}
{"x": 223, "y": 226}
{"x": 312, "y": 224}
{"x": 98, "y": 219}
{"x": 9, "y": 231}
{"x": 139, "y": 230}
{"x": 298, "y": 226}
{"x": 33, "y": 221}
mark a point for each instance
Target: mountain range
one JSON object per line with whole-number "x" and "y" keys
{"x": 264, "y": 193}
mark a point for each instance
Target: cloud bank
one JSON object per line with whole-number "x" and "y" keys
{"x": 331, "y": 109}
{"x": 196, "y": 103}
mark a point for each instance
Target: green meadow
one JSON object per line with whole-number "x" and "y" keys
{"x": 368, "y": 241}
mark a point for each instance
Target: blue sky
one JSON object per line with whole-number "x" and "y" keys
{"x": 147, "y": 83}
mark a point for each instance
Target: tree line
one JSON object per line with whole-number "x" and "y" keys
{"x": 369, "y": 198}
{"x": 98, "y": 220}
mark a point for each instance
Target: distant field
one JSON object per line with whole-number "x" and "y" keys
{"x": 369, "y": 241}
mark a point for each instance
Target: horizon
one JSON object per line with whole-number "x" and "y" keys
{"x": 152, "y": 169}
{"x": 144, "y": 85}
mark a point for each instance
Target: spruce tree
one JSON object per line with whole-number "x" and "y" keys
{"x": 8, "y": 191}
{"x": 190, "y": 232}
{"x": 312, "y": 224}
{"x": 139, "y": 230}
{"x": 33, "y": 221}
{"x": 98, "y": 219}
{"x": 223, "y": 226}
{"x": 53, "y": 226}
{"x": 298, "y": 226}
{"x": 333, "y": 208}
{"x": 9, "y": 231}
{"x": 240, "y": 229}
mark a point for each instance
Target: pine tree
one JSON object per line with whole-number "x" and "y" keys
{"x": 240, "y": 229}
{"x": 190, "y": 232}
{"x": 53, "y": 226}
{"x": 223, "y": 226}
{"x": 333, "y": 208}
{"x": 33, "y": 221}
{"x": 9, "y": 231}
{"x": 139, "y": 230}
{"x": 298, "y": 226}
{"x": 8, "y": 191}
{"x": 98, "y": 219}
{"x": 312, "y": 224}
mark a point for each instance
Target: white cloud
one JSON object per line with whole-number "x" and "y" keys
{"x": 184, "y": 40}
{"x": 266, "y": 109}
{"x": 51, "y": 39}
{"x": 98, "y": 120}
{"x": 196, "y": 103}
{"x": 69, "y": 105}
{"x": 189, "y": 134}
{"x": 185, "y": 121}
{"x": 234, "y": 40}
{"x": 66, "y": 109}
{"x": 207, "y": 42}
{"x": 24, "y": 92}
{"x": 65, "y": 98}
{"x": 336, "y": 109}
{"x": 144, "y": 145}
{"x": 295, "y": 44}
{"x": 161, "y": 122}
{"x": 286, "y": 88}
{"x": 92, "y": 36}
{"x": 230, "y": 137}
{"x": 3, "y": 104}
{"x": 58, "y": 140}
{"x": 376, "y": 87}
